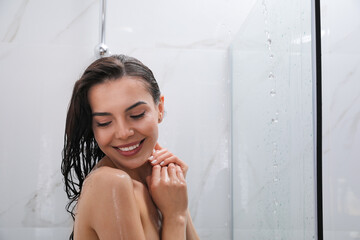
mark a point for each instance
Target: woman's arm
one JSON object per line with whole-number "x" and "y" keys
{"x": 163, "y": 157}
{"x": 168, "y": 189}
{"x": 191, "y": 233}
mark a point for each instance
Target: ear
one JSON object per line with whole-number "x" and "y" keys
{"x": 161, "y": 109}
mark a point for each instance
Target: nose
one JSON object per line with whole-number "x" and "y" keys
{"x": 123, "y": 130}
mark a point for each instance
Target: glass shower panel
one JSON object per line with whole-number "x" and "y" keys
{"x": 272, "y": 123}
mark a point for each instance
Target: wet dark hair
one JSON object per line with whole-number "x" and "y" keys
{"x": 81, "y": 152}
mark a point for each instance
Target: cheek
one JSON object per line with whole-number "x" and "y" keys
{"x": 101, "y": 137}
{"x": 150, "y": 127}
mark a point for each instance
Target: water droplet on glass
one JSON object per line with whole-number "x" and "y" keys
{"x": 271, "y": 75}
{"x": 267, "y": 34}
{"x": 275, "y": 165}
{"x": 276, "y": 179}
{"x": 269, "y": 41}
{"x": 272, "y": 93}
{"x": 271, "y": 55}
{"x": 274, "y": 211}
{"x": 274, "y": 120}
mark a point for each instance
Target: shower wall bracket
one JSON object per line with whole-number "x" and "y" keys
{"x": 102, "y": 50}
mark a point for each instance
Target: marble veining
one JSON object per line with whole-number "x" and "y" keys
{"x": 45, "y": 48}
{"x": 76, "y": 19}
{"x": 341, "y": 119}
{"x": 16, "y": 22}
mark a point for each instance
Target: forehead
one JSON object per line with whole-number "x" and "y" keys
{"x": 119, "y": 93}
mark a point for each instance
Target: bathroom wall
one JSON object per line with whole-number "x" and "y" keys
{"x": 273, "y": 157}
{"x": 341, "y": 118}
{"x": 44, "y": 48}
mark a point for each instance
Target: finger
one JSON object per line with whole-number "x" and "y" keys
{"x": 160, "y": 159}
{"x": 176, "y": 160}
{"x": 171, "y": 158}
{"x": 172, "y": 171}
{"x": 159, "y": 152}
{"x": 182, "y": 164}
{"x": 164, "y": 174}
{"x": 179, "y": 173}
{"x": 162, "y": 154}
{"x": 157, "y": 146}
{"x": 152, "y": 159}
{"x": 167, "y": 159}
{"x": 156, "y": 174}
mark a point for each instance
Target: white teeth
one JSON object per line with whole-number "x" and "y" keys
{"x": 126, "y": 149}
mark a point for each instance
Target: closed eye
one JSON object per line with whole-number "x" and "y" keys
{"x": 103, "y": 124}
{"x": 138, "y": 116}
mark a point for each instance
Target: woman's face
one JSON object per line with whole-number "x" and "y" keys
{"x": 125, "y": 120}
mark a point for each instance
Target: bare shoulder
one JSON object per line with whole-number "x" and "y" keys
{"x": 106, "y": 199}
{"x": 107, "y": 177}
{"x": 105, "y": 180}
{"x": 103, "y": 184}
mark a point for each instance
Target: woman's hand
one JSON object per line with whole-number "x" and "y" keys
{"x": 161, "y": 156}
{"x": 168, "y": 190}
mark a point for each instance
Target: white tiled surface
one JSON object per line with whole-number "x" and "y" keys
{"x": 341, "y": 118}
{"x": 45, "y": 46}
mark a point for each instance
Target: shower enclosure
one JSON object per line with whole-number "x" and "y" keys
{"x": 251, "y": 155}
{"x": 274, "y": 164}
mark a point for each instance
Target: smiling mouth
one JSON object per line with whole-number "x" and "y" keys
{"x": 130, "y": 149}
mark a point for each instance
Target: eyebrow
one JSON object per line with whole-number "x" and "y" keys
{"x": 126, "y": 110}
{"x": 135, "y": 105}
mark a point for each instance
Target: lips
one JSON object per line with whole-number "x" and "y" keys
{"x": 130, "y": 149}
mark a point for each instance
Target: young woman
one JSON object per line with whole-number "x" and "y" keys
{"x": 121, "y": 183}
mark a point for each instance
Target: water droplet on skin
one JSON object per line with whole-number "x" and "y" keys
{"x": 272, "y": 93}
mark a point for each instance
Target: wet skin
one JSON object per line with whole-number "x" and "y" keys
{"x": 120, "y": 199}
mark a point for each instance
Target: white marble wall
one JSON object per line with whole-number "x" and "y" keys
{"x": 45, "y": 46}
{"x": 341, "y": 118}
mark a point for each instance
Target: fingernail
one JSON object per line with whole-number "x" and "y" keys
{"x": 151, "y": 158}
{"x": 154, "y": 161}
{"x": 162, "y": 163}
